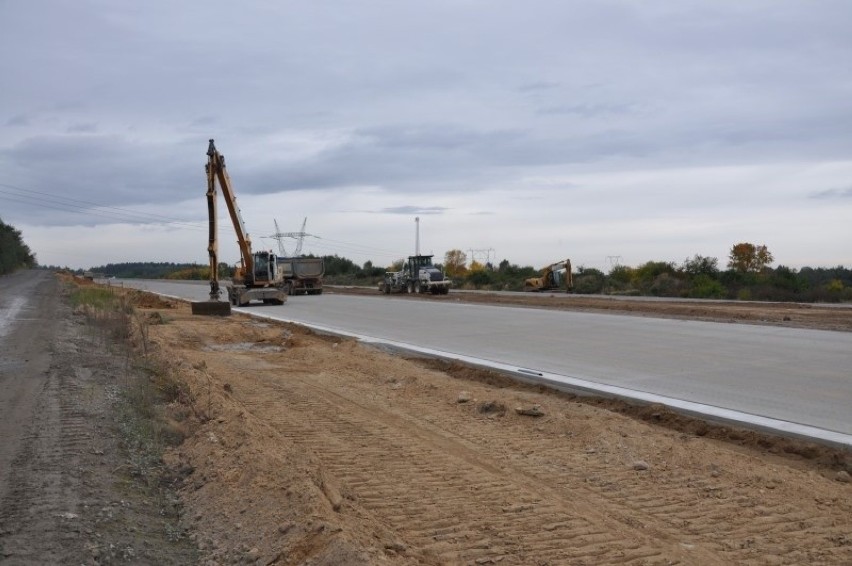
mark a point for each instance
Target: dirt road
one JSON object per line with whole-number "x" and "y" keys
{"x": 67, "y": 495}
{"x": 308, "y": 449}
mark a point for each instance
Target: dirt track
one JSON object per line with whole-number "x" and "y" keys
{"x": 71, "y": 490}
{"x": 305, "y": 449}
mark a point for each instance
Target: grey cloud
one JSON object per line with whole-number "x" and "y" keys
{"x": 203, "y": 121}
{"x": 408, "y": 210}
{"x": 653, "y": 83}
{"x": 101, "y": 171}
{"x": 588, "y": 110}
{"x": 832, "y": 193}
{"x": 86, "y": 128}
{"x": 538, "y": 86}
{"x": 18, "y": 120}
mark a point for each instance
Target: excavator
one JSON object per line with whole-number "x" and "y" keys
{"x": 258, "y": 276}
{"x": 553, "y": 277}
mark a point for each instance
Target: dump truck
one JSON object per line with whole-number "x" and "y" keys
{"x": 553, "y": 277}
{"x": 256, "y": 277}
{"x": 303, "y": 274}
{"x": 418, "y": 275}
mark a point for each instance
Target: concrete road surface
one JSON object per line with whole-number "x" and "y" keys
{"x": 787, "y": 379}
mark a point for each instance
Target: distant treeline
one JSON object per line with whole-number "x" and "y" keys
{"x": 696, "y": 277}
{"x": 14, "y": 253}
{"x": 153, "y": 270}
{"x": 701, "y": 279}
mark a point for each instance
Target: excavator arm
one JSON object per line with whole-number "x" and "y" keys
{"x": 216, "y": 172}
{"x": 212, "y": 239}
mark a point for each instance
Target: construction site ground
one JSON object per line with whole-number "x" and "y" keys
{"x": 292, "y": 447}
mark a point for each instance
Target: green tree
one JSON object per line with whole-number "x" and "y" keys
{"x": 454, "y": 263}
{"x": 701, "y": 265}
{"x": 649, "y": 275}
{"x": 14, "y": 253}
{"x": 748, "y": 258}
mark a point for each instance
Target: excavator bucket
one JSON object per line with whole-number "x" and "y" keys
{"x": 212, "y": 308}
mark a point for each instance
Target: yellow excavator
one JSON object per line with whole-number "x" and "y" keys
{"x": 258, "y": 276}
{"x": 553, "y": 277}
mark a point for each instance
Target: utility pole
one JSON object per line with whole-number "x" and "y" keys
{"x": 417, "y": 236}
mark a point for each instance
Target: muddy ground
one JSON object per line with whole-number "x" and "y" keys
{"x": 299, "y": 448}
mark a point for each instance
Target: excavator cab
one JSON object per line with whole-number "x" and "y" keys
{"x": 264, "y": 267}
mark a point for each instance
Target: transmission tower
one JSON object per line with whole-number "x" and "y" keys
{"x": 280, "y": 238}
{"x": 484, "y": 254}
{"x": 299, "y": 236}
{"x": 614, "y": 260}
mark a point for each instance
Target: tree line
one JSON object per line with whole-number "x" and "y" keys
{"x": 14, "y": 253}
{"x": 748, "y": 275}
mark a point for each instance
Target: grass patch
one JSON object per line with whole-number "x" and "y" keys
{"x": 150, "y": 421}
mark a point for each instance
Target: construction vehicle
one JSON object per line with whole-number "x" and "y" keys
{"x": 418, "y": 275}
{"x": 256, "y": 277}
{"x": 303, "y": 274}
{"x": 553, "y": 277}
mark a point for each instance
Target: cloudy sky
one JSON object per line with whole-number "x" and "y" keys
{"x": 601, "y": 131}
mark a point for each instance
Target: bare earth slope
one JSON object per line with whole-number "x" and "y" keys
{"x": 317, "y": 450}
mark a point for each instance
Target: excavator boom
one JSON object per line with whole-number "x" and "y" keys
{"x": 258, "y": 276}
{"x": 216, "y": 172}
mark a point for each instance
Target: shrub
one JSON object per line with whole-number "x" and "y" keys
{"x": 589, "y": 281}
{"x": 705, "y": 287}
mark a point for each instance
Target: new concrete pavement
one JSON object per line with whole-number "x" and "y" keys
{"x": 791, "y": 380}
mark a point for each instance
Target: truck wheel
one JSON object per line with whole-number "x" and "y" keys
{"x": 411, "y": 287}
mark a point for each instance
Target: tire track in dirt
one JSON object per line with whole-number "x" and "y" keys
{"x": 432, "y": 480}
{"x": 712, "y": 512}
{"x": 545, "y": 504}
{"x": 446, "y": 472}
{"x": 43, "y": 503}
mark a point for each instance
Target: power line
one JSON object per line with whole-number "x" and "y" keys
{"x": 79, "y": 206}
